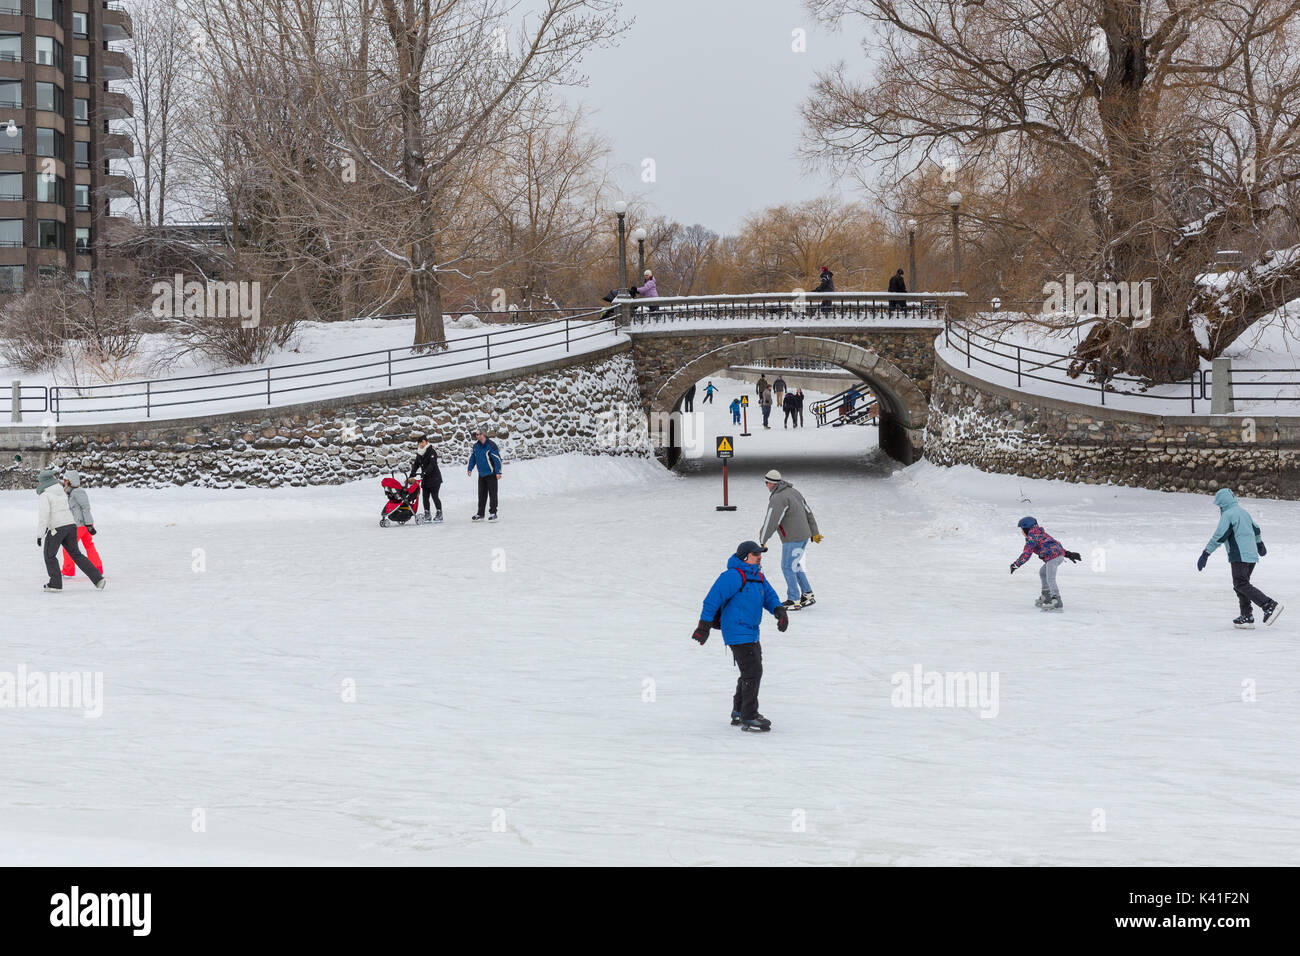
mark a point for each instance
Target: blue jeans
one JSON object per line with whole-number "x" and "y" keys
{"x": 796, "y": 582}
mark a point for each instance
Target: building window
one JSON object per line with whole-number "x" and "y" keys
{"x": 11, "y": 138}
{"x": 11, "y": 186}
{"x": 11, "y": 279}
{"x": 82, "y": 157}
{"x": 79, "y": 25}
{"x": 11, "y": 46}
{"x": 83, "y": 240}
{"x": 81, "y": 111}
{"x": 83, "y": 276}
{"x": 83, "y": 197}
{"x": 49, "y": 52}
{"x": 11, "y": 232}
{"x": 49, "y": 10}
{"x": 49, "y": 142}
{"x": 49, "y": 96}
{"x": 80, "y": 70}
{"x": 49, "y": 234}
{"x": 11, "y": 93}
{"x": 49, "y": 189}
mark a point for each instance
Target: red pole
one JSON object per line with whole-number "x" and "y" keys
{"x": 745, "y": 433}
{"x": 724, "y": 506}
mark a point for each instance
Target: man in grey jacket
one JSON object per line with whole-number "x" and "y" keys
{"x": 789, "y": 516}
{"x": 79, "y": 505}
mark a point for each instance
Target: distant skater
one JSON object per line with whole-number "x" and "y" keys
{"x": 1052, "y": 553}
{"x": 708, "y": 394}
{"x": 1245, "y": 545}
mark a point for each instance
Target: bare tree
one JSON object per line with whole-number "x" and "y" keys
{"x": 1108, "y": 95}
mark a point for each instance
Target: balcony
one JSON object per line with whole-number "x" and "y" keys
{"x": 118, "y": 146}
{"x": 117, "y": 22}
{"x": 117, "y": 186}
{"x": 116, "y": 106}
{"x": 117, "y": 65}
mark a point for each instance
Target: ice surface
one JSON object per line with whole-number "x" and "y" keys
{"x": 519, "y": 696}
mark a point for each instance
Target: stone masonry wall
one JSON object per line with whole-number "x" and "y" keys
{"x": 562, "y": 409}
{"x": 1000, "y": 430}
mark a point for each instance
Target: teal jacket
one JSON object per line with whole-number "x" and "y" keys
{"x": 1236, "y": 530}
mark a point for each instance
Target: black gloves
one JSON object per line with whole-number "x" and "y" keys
{"x": 39, "y": 542}
{"x": 1073, "y": 556}
{"x": 702, "y": 632}
{"x": 782, "y": 619}
{"x": 1013, "y": 567}
{"x": 1262, "y": 550}
{"x": 1200, "y": 562}
{"x": 91, "y": 529}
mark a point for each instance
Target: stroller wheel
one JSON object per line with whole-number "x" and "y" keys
{"x": 384, "y": 523}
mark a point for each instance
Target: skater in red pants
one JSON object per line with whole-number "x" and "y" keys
{"x": 79, "y": 505}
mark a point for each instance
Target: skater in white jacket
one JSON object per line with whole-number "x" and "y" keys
{"x": 56, "y": 528}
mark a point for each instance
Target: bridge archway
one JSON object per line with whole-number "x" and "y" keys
{"x": 903, "y": 405}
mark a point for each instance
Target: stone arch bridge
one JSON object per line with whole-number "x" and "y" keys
{"x": 896, "y": 362}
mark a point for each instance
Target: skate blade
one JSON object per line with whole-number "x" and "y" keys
{"x": 1244, "y": 627}
{"x": 1277, "y": 612}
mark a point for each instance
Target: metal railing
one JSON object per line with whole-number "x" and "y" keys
{"x": 32, "y": 399}
{"x": 1025, "y": 362}
{"x": 927, "y": 308}
{"x": 389, "y": 368}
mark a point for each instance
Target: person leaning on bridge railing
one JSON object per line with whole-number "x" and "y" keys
{"x": 896, "y": 284}
{"x": 826, "y": 284}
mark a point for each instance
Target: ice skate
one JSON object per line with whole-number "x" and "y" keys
{"x": 1245, "y": 623}
{"x": 1273, "y": 612}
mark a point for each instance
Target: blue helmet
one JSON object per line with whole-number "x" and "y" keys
{"x": 1026, "y": 523}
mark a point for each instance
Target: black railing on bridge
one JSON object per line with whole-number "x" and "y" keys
{"x": 846, "y": 411}
{"x": 924, "y": 308}
{"x": 386, "y": 368}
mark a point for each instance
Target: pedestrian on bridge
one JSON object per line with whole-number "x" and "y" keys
{"x": 708, "y": 394}
{"x": 826, "y": 284}
{"x": 897, "y": 284}
{"x": 648, "y": 290}
{"x": 789, "y": 516}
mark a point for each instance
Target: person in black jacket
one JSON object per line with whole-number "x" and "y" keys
{"x": 426, "y": 463}
{"x": 826, "y": 284}
{"x": 896, "y": 284}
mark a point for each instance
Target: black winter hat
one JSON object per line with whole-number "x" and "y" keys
{"x": 749, "y": 547}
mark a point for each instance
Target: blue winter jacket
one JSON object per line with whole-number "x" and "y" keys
{"x": 1235, "y": 529}
{"x": 742, "y": 600}
{"x": 487, "y": 457}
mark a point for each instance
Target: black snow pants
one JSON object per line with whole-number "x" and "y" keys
{"x": 749, "y": 658}
{"x": 66, "y": 538}
{"x": 1247, "y": 592}
{"x": 431, "y": 491}
{"x": 487, "y": 488}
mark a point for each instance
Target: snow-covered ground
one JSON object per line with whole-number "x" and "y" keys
{"x": 325, "y": 360}
{"x": 528, "y": 692}
{"x": 1265, "y": 363}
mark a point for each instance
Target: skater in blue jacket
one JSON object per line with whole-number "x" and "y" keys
{"x": 486, "y": 457}
{"x": 735, "y": 604}
{"x": 1245, "y": 546}
{"x": 735, "y": 411}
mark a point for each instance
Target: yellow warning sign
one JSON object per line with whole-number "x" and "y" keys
{"x": 726, "y": 446}
{"x": 744, "y": 400}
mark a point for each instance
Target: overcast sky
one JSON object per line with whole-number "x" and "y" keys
{"x": 712, "y": 92}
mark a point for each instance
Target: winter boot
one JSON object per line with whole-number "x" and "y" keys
{"x": 759, "y": 724}
{"x": 1244, "y": 623}
{"x": 807, "y": 599}
{"x": 1273, "y": 612}
{"x": 1042, "y": 599}
{"x": 1052, "y": 604}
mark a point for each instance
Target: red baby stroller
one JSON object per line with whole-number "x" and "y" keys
{"x": 403, "y": 502}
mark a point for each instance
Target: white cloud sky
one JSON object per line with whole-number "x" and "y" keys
{"x": 712, "y": 92}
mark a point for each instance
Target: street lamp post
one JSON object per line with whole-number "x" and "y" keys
{"x": 639, "y": 235}
{"x": 911, "y": 256}
{"x": 954, "y": 201}
{"x": 620, "y": 209}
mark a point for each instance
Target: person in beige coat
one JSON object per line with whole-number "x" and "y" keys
{"x": 56, "y": 528}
